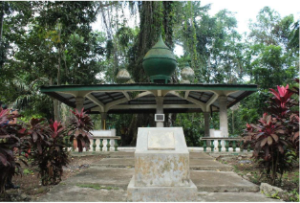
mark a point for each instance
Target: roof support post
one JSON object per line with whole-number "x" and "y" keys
{"x": 103, "y": 120}
{"x": 159, "y": 109}
{"x": 79, "y": 103}
{"x": 206, "y": 124}
{"x": 223, "y": 116}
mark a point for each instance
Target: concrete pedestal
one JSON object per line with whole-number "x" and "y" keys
{"x": 161, "y": 194}
{"x": 161, "y": 167}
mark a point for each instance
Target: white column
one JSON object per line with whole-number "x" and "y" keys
{"x": 206, "y": 124}
{"x": 223, "y": 116}
{"x": 79, "y": 103}
{"x": 159, "y": 109}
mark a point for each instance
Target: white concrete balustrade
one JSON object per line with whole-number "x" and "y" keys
{"x": 107, "y": 136}
{"x": 102, "y": 134}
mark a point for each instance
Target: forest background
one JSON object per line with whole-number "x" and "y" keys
{"x": 53, "y": 43}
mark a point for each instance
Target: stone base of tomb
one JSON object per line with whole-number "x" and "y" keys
{"x": 161, "y": 172}
{"x": 161, "y": 194}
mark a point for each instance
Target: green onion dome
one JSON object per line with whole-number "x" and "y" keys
{"x": 159, "y": 62}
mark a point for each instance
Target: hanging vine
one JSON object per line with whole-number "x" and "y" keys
{"x": 190, "y": 36}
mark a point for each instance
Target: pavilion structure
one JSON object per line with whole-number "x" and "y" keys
{"x": 158, "y": 97}
{"x": 143, "y": 98}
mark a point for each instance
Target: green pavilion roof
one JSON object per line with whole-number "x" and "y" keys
{"x": 140, "y": 97}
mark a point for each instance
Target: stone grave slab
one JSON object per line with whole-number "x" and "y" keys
{"x": 161, "y": 167}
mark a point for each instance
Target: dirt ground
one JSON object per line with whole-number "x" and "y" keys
{"x": 30, "y": 184}
{"x": 247, "y": 168}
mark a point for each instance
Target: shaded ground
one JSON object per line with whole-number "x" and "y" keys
{"x": 30, "y": 184}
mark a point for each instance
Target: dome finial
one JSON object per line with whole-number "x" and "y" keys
{"x": 123, "y": 75}
{"x": 159, "y": 62}
{"x": 187, "y": 74}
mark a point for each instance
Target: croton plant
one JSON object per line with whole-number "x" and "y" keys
{"x": 10, "y": 139}
{"x": 41, "y": 141}
{"x": 49, "y": 155}
{"x": 80, "y": 126}
{"x": 276, "y": 136}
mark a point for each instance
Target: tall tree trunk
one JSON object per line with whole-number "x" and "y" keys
{"x": 55, "y": 105}
{"x": 155, "y": 18}
{"x": 1, "y": 33}
{"x": 150, "y": 27}
{"x": 108, "y": 26}
{"x": 1, "y": 20}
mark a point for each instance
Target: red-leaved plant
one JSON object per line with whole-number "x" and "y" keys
{"x": 43, "y": 142}
{"x": 273, "y": 136}
{"x": 52, "y": 156}
{"x": 10, "y": 139}
{"x": 80, "y": 126}
{"x": 280, "y": 104}
{"x": 293, "y": 125}
{"x": 38, "y": 130}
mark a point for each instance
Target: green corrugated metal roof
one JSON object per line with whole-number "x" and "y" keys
{"x": 107, "y": 93}
{"x": 149, "y": 86}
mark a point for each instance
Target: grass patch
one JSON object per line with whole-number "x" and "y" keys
{"x": 41, "y": 190}
{"x": 27, "y": 171}
{"x": 97, "y": 187}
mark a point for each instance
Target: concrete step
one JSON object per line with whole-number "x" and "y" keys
{"x": 63, "y": 193}
{"x": 109, "y": 177}
{"x": 195, "y": 164}
{"x": 208, "y": 165}
{"x": 120, "y": 154}
{"x": 210, "y": 181}
{"x": 234, "y": 197}
{"x": 199, "y": 155}
{"x": 101, "y": 184}
{"x": 206, "y": 181}
{"x": 89, "y": 153}
{"x": 73, "y": 193}
{"x": 116, "y": 163}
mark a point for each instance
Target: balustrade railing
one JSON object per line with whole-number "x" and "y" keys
{"x": 99, "y": 143}
{"x": 225, "y": 143}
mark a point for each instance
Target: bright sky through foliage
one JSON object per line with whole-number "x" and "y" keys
{"x": 245, "y": 9}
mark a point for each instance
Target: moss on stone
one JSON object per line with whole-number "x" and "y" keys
{"x": 97, "y": 186}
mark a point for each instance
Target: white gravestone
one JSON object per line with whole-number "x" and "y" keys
{"x": 162, "y": 170}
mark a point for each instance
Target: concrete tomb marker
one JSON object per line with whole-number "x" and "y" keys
{"x": 162, "y": 170}
{"x": 161, "y": 141}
